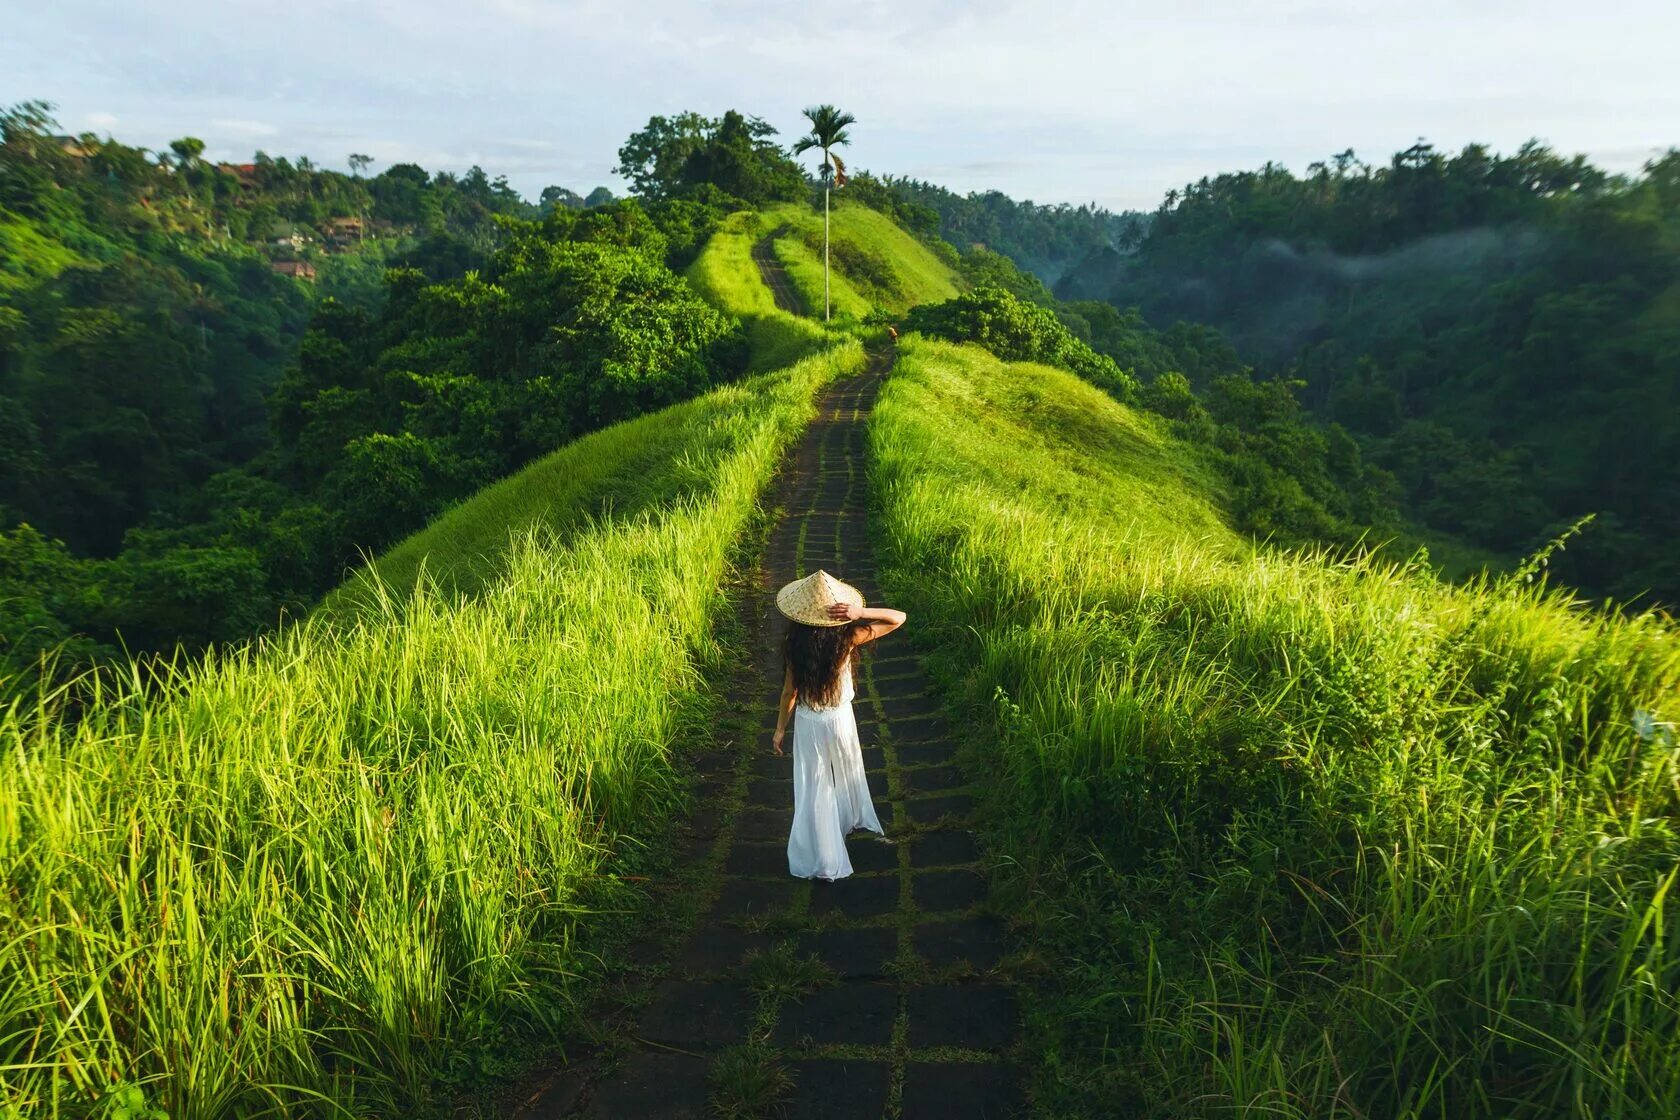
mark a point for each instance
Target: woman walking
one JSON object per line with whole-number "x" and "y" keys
{"x": 827, "y": 622}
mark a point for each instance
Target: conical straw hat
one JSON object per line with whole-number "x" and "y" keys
{"x": 807, "y": 600}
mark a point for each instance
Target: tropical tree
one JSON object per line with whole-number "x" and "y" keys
{"x": 828, "y": 131}
{"x": 187, "y": 149}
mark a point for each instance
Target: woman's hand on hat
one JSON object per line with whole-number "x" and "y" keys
{"x": 845, "y": 612}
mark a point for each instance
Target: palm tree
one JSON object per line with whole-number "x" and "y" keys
{"x": 828, "y": 131}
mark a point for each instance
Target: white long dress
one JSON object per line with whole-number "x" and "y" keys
{"x": 830, "y": 791}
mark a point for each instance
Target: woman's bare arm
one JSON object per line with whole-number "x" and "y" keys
{"x": 882, "y": 620}
{"x": 784, "y": 709}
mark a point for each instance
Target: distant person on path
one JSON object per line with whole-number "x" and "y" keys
{"x": 892, "y": 331}
{"x": 827, "y": 622}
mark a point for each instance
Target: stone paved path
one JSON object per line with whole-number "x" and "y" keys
{"x": 774, "y": 275}
{"x": 909, "y": 1018}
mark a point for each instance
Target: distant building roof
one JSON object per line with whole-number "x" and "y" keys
{"x": 73, "y": 145}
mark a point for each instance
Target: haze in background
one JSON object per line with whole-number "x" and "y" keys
{"x": 1105, "y": 102}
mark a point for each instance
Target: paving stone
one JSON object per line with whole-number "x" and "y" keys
{"x": 695, "y": 1015}
{"x": 937, "y": 849}
{"x": 717, "y": 948}
{"x": 970, "y": 1016}
{"x": 703, "y": 827}
{"x": 979, "y": 941}
{"x": 838, "y": 1090}
{"x": 764, "y": 824}
{"x": 765, "y": 764}
{"x": 934, "y": 779}
{"x": 855, "y": 897}
{"x": 849, "y": 1015}
{"x": 771, "y": 793}
{"x": 922, "y": 729}
{"x": 709, "y": 788}
{"x": 932, "y": 808}
{"x": 934, "y": 891}
{"x": 899, "y": 688}
{"x": 868, "y": 853}
{"x": 925, "y": 754}
{"x": 740, "y": 898}
{"x": 960, "y": 1091}
{"x": 854, "y": 954}
{"x": 757, "y": 859}
{"x": 874, "y": 761}
{"x": 715, "y": 762}
{"x": 908, "y": 709}
{"x": 693, "y": 849}
{"x": 658, "y": 1086}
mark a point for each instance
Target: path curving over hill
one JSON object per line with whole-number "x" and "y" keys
{"x": 911, "y": 1021}
{"x": 775, "y": 276}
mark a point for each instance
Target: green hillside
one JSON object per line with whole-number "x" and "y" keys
{"x": 1298, "y": 831}
{"x": 354, "y": 855}
{"x": 630, "y": 470}
{"x": 724, "y": 274}
{"x": 874, "y": 263}
{"x": 1286, "y": 833}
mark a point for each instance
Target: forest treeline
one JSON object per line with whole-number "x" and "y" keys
{"x": 197, "y": 441}
{"x": 1500, "y": 332}
{"x": 1046, "y": 240}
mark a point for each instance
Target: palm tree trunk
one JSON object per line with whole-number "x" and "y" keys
{"x": 825, "y": 252}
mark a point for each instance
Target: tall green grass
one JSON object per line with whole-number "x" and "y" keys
{"x": 874, "y": 262}
{"x": 803, "y": 264}
{"x": 1299, "y": 835}
{"x": 619, "y": 472}
{"x": 725, "y": 275}
{"x": 338, "y": 871}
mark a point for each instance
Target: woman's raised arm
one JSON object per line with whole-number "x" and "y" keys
{"x": 882, "y": 620}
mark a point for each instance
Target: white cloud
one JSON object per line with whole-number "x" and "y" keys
{"x": 235, "y": 128}
{"x": 1067, "y": 99}
{"x": 106, "y": 121}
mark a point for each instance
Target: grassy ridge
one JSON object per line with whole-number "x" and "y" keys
{"x": 804, "y": 267}
{"x": 333, "y": 870}
{"x": 1301, "y": 837}
{"x": 618, "y": 472}
{"x": 725, "y": 275}
{"x": 874, "y": 262}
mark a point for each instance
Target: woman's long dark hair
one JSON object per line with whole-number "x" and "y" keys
{"x": 815, "y": 654}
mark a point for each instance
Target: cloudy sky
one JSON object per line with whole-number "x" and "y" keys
{"x": 1059, "y": 102}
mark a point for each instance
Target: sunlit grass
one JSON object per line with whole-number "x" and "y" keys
{"x": 725, "y": 275}
{"x": 339, "y": 870}
{"x": 903, "y": 272}
{"x": 1308, "y": 836}
{"x": 621, "y": 471}
{"x": 804, "y": 266}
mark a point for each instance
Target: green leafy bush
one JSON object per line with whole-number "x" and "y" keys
{"x": 1020, "y": 331}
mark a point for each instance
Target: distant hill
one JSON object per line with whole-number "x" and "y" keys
{"x": 1499, "y": 331}
{"x": 1046, "y": 240}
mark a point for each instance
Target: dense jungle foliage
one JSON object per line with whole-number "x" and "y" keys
{"x": 1501, "y": 332}
{"x": 196, "y": 440}
{"x": 1047, "y": 240}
